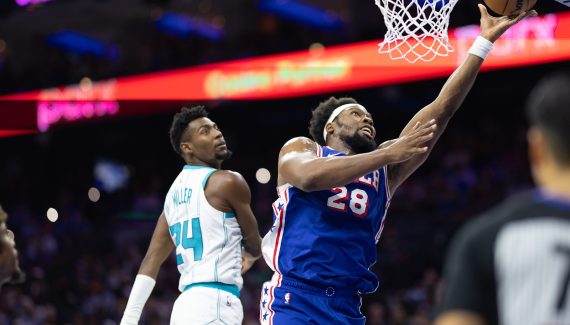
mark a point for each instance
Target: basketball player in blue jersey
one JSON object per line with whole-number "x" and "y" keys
{"x": 208, "y": 220}
{"x": 334, "y": 191}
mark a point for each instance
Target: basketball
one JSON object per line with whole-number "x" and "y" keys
{"x": 510, "y": 7}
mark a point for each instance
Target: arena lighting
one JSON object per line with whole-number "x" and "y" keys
{"x": 77, "y": 43}
{"x": 93, "y": 194}
{"x": 263, "y": 175}
{"x": 23, "y": 3}
{"x": 302, "y": 13}
{"x": 10, "y": 133}
{"x": 184, "y": 26}
{"x": 50, "y": 113}
{"x": 535, "y": 40}
{"x": 52, "y": 214}
{"x": 80, "y": 102}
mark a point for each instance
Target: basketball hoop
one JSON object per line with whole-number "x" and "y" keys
{"x": 417, "y": 29}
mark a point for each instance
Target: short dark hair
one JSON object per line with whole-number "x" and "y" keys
{"x": 180, "y": 123}
{"x": 322, "y": 113}
{"x": 548, "y": 108}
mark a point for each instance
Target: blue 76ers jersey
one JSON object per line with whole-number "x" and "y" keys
{"x": 328, "y": 238}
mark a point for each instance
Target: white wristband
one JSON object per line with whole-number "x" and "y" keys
{"x": 481, "y": 47}
{"x": 139, "y": 295}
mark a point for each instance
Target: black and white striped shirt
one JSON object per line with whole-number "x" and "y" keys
{"x": 512, "y": 265}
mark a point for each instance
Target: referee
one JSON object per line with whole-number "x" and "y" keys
{"x": 512, "y": 265}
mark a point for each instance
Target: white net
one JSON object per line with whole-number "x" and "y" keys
{"x": 417, "y": 29}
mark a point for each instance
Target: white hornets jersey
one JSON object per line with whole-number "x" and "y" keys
{"x": 207, "y": 241}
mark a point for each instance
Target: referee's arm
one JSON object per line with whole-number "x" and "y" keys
{"x": 469, "y": 285}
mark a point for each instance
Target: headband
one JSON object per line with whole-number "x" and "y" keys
{"x": 337, "y": 111}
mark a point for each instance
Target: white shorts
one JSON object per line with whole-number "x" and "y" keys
{"x": 202, "y": 305}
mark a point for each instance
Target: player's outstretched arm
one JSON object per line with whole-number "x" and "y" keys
{"x": 160, "y": 247}
{"x": 453, "y": 93}
{"x": 230, "y": 192}
{"x": 300, "y": 166}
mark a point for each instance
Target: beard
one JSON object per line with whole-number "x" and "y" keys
{"x": 224, "y": 156}
{"x": 358, "y": 143}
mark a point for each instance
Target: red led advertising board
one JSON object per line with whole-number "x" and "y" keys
{"x": 535, "y": 40}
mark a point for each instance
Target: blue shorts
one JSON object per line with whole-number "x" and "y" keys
{"x": 287, "y": 302}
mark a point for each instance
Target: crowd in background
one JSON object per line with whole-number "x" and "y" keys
{"x": 80, "y": 268}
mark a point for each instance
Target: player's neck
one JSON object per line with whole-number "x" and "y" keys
{"x": 339, "y": 145}
{"x": 196, "y": 162}
{"x": 557, "y": 183}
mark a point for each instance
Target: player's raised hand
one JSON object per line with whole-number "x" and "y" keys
{"x": 410, "y": 144}
{"x": 493, "y": 27}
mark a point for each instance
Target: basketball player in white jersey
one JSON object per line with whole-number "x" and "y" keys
{"x": 207, "y": 218}
{"x": 512, "y": 266}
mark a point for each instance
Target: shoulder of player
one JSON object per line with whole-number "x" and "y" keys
{"x": 298, "y": 144}
{"x": 485, "y": 226}
{"x": 518, "y": 206}
{"x": 227, "y": 180}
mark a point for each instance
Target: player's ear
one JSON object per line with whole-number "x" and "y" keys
{"x": 536, "y": 148}
{"x": 185, "y": 143}
{"x": 186, "y": 148}
{"x": 330, "y": 128}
